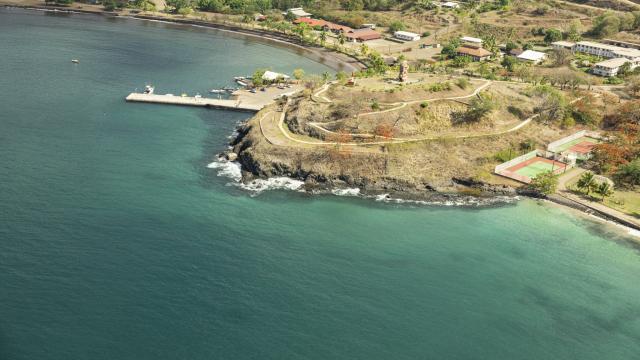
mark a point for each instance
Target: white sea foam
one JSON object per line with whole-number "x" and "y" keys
{"x": 454, "y": 201}
{"x": 276, "y": 183}
{"x": 346, "y": 192}
{"x": 232, "y": 170}
{"x": 228, "y": 169}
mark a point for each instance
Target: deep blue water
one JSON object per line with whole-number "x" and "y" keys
{"x": 117, "y": 241}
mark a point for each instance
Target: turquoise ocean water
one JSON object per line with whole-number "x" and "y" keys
{"x": 117, "y": 241}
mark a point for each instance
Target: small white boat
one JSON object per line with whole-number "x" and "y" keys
{"x": 241, "y": 83}
{"x": 148, "y": 89}
{"x": 217, "y": 91}
{"x": 75, "y": 61}
{"x": 236, "y": 78}
{"x": 198, "y": 96}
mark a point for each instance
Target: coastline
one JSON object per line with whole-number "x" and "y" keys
{"x": 333, "y": 59}
{"x": 464, "y": 189}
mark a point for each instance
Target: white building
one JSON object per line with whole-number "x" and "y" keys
{"x": 597, "y": 49}
{"x": 450, "y": 5}
{"x": 406, "y": 36}
{"x": 298, "y": 12}
{"x": 532, "y": 56}
{"x": 563, "y": 45}
{"x": 471, "y": 40}
{"x": 609, "y": 67}
{"x": 273, "y": 76}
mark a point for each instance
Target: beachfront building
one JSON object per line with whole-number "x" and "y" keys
{"x": 609, "y": 67}
{"x": 450, "y": 5}
{"x": 406, "y": 36}
{"x": 563, "y": 45}
{"x": 531, "y": 56}
{"x": 337, "y": 28}
{"x": 474, "y": 52}
{"x": 314, "y": 23}
{"x": 362, "y": 35}
{"x": 272, "y": 76}
{"x": 297, "y": 12}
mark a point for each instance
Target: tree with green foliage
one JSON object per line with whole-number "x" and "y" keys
{"x": 629, "y": 174}
{"x": 545, "y": 183}
{"x": 604, "y": 190}
{"x": 396, "y": 26}
{"x": 450, "y": 49}
{"x": 585, "y": 181}
{"x": 509, "y": 62}
{"x": 341, "y": 76}
{"x": 461, "y": 61}
{"x": 377, "y": 63}
{"x": 574, "y": 33}
{"x": 298, "y": 74}
{"x": 177, "y": 5}
{"x": 552, "y": 35}
{"x": 323, "y": 37}
{"x": 509, "y": 46}
{"x": 257, "y": 79}
{"x": 480, "y": 106}
{"x": 210, "y": 5}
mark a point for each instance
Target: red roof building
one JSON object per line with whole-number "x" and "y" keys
{"x": 476, "y": 53}
{"x": 361, "y": 35}
{"x": 311, "y": 22}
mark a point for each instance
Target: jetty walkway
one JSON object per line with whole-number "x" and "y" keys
{"x": 242, "y": 100}
{"x": 194, "y": 101}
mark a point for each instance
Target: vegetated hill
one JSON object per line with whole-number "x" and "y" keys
{"x": 620, "y": 5}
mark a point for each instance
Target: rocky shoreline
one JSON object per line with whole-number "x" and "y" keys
{"x": 457, "y": 189}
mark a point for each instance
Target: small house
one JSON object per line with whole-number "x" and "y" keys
{"x": 297, "y": 12}
{"x": 406, "y": 36}
{"x": 476, "y": 53}
{"x": 532, "y": 56}
{"x": 362, "y": 35}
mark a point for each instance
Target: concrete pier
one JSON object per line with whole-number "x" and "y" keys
{"x": 196, "y": 101}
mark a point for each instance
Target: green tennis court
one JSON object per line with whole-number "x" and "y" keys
{"x": 535, "y": 166}
{"x": 584, "y": 141}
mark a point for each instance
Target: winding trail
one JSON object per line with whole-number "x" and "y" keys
{"x": 266, "y": 126}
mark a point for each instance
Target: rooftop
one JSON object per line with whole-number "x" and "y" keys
{"x": 405, "y": 33}
{"x": 532, "y": 55}
{"x": 311, "y": 22}
{"x": 598, "y": 45}
{"x": 472, "y": 51}
{"x": 471, "y": 39}
{"x": 563, "y": 43}
{"x": 627, "y": 52}
{"x": 364, "y": 34}
{"x": 298, "y": 12}
{"x": 612, "y": 63}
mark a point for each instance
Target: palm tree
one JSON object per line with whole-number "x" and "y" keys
{"x": 323, "y": 37}
{"x": 341, "y": 39}
{"x": 604, "y": 190}
{"x": 585, "y": 182}
{"x": 364, "y": 49}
